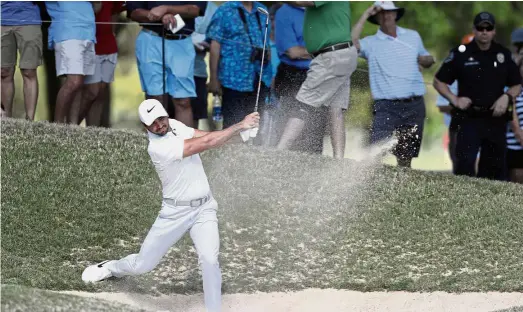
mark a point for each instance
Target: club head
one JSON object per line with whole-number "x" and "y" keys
{"x": 263, "y": 11}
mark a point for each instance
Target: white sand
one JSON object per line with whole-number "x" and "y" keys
{"x": 324, "y": 301}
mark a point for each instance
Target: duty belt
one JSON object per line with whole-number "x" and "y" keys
{"x": 191, "y": 203}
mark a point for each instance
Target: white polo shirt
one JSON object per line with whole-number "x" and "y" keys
{"x": 182, "y": 178}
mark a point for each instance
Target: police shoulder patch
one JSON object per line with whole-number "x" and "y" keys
{"x": 450, "y": 57}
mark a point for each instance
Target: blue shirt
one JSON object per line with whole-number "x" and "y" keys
{"x": 235, "y": 70}
{"x": 393, "y": 64}
{"x": 289, "y": 33}
{"x": 70, "y": 20}
{"x": 200, "y": 28}
{"x": 19, "y": 13}
{"x": 148, "y": 5}
{"x": 275, "y": 60}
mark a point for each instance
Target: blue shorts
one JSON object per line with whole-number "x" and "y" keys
{"x": 179, "y": 65}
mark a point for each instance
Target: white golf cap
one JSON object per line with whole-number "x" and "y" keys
{"x": 386, "y": 6}
{"x": 151, "y": 109}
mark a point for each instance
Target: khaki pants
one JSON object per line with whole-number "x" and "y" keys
{"x": 328, "y": 79}
{"x": 25, "y": 39}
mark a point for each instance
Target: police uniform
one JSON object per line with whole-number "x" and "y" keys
{"x": 482, "y": 76}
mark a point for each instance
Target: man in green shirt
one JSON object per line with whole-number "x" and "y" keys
{"x": 327, "y": 35}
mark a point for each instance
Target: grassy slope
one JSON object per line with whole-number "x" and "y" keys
{"x": 71, "y": 197}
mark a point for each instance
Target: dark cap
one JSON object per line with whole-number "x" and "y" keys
{"x": 517, "y": 36}
{"x": 484, "y": 17}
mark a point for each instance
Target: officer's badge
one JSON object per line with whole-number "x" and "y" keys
{"x": 449, "y": 58}
{"x": 501, "y": 57}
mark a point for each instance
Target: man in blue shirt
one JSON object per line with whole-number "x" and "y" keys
{"x": 21, "y": 32}
{"x": 179, "y": 53}
{"x": 395, "y": 55}
{"x": 292, "y": 72}
{"x": 72, "y": 37}
{"x": 202, "y": 45}
{"x": 236, "y": 58}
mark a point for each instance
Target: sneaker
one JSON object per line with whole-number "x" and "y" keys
{"x": 96, "y": 272}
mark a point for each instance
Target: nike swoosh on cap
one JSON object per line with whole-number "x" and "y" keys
{"x": 101, "y": 264}
{"x": 149, "y": 110}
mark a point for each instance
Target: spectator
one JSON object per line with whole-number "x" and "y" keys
{"x": 179, "y": 53}
{"x": 483, "y": 68}
{"x": 445, "y": 109}
{"x": 201, "y": 43}
{"x": 395, "y": 55}
{"x": 515, "y": 129}
{"x": 90, "y": 104}
{"x": 21, "y": 33}
{"x": 72, "y": 36}
{"x": 292, "y": 72}
{"x": 327, "y": 37}
{"x": 237, "y": 33}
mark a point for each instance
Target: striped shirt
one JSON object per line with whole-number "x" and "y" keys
{"x": 393, "y": 64}
{"x": 512, "y": 143}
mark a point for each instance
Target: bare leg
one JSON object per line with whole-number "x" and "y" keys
{"x": 8, "y": 90}
{"x": 337, "y": 123}
{"x": 291, "y": 133}
{"x": 72, "y": 85}
{"x": 30, "y": 92}
{"x": 94, "y": 116}
{"x": 91, "y": 93}
{"x": 183, "y": 111}
{"x": 516, "y": 175}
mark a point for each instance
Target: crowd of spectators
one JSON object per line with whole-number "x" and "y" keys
{"x": 310, "y": 54}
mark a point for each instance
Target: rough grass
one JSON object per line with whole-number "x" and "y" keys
{"x": 74, "y": 196}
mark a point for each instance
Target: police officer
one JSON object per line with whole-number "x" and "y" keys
{"x": 480, "y": 110}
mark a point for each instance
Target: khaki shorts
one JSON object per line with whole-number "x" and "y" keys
{"x": 27, "y": 40}
{"x": 75, "y": 57}
{"x": 328, "y": 79}
{"x": 105, "y": 65}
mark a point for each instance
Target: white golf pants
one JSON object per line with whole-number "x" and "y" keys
{"x": 170, "y": 225}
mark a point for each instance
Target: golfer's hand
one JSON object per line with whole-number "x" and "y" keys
{"x": 215, "y": 87}
{"x": 463, "y": 103}
{"x": 157, "y": 13}
{"x": 168, "y": 19}
{"x": 500, "y": 106}
{"x": 250, "y": 121}
{"x": 373, "y": 10}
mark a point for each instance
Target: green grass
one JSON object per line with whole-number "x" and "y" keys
{"x": 73, "y": 196}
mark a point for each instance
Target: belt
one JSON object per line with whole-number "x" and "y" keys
{"x": 404, "y": 100}
{"x": 339, "y": 46}
{"x": 167, "y": 36}
{"x": 190, "y": 203}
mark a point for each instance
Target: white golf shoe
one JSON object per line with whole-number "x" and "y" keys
{"x": 96, "y": 272}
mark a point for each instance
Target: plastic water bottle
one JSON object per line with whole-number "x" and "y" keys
{"x": 217, "y": 116}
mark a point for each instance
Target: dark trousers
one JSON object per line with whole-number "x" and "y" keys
{"x": 488, "y": 135}
{"x": 199, "y": 103}
{"x": 236, "y": 104}
{"x": 287, "y": 82}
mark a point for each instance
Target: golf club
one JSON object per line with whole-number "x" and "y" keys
{"x": 266, "y": 13}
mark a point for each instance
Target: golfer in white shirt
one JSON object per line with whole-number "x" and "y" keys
{"x": 188, "y": 204}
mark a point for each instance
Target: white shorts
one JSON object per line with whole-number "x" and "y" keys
{"x": 105, "y": 65}
{"x": 74, "y": 57}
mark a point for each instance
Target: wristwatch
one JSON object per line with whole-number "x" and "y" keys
{"x": 510, "y": 98}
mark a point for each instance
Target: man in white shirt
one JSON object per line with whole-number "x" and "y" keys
{"x": 188, "y": 204}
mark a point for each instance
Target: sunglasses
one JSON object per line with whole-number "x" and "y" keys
{"x": 487, "y": 28}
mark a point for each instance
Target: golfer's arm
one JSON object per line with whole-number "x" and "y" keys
{"x": 298, "y": 52}
{"x": 185, "y": 11}
{"x": 234, "y": 139}
{"x": 356, "y": 31}
{"x": 210, "y": 140}
{"x": 445, "y": 91}
{"x": 140, "y": 16}
{"x": 214, "y": 59}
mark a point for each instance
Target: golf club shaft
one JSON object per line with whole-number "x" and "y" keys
{"x": 261, "y": 67}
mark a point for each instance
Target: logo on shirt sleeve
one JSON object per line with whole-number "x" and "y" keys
{"x": 449, "y": 58}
